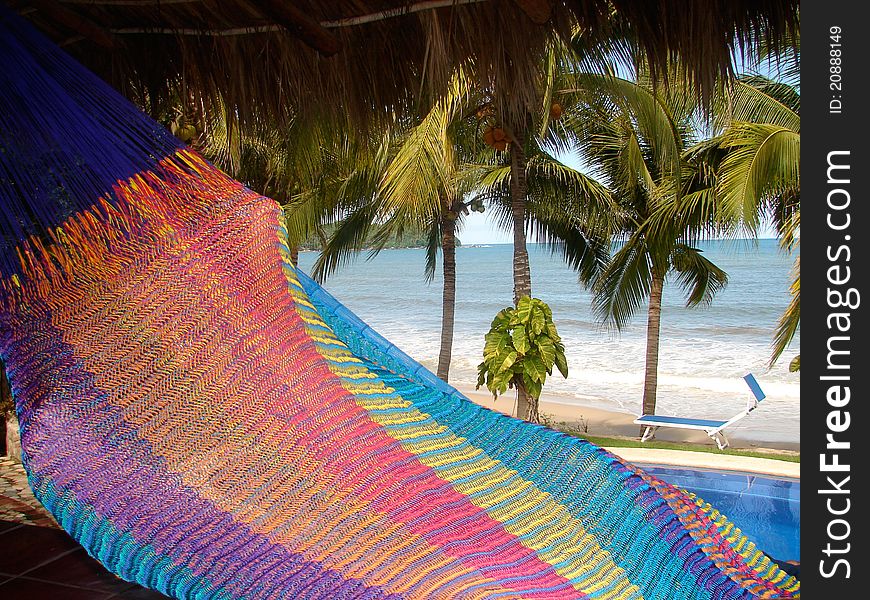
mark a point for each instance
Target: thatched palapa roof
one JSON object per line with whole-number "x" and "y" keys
{"x": 369, "y": 57}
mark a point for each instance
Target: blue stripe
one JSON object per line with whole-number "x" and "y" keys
{"x": 551, "y": 462}
{"x": 668, "y": 420}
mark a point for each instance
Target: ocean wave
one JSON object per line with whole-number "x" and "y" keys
{"x": 704, "y": 352}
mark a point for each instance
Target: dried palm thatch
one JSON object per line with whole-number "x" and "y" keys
{"x": 371, "y": 58}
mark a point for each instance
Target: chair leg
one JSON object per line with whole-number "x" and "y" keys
{"x": 720, "y": 439}
{"x": 648, "y": 433}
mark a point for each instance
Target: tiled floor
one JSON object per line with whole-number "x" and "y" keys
{"x": 41, "y": 562}
{"x": 17, "y": 503}
{"x": 38, "y": 560}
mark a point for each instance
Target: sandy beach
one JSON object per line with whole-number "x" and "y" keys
{"x": 704, "y": 353}
{"x": 597, "y": 421}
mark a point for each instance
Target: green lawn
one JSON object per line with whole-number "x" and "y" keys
{"x": 623, "y": 442}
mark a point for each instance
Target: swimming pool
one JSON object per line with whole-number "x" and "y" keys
{"x": 766, "y": 509}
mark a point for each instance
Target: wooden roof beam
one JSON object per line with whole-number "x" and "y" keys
{"x": 539, "y": 11}
{"x": 300, "y": 25}
{"x": 76, "y": 22}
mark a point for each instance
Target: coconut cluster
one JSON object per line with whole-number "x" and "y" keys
{"x": 496, "y": 137}
{"x": 184, "y": 131}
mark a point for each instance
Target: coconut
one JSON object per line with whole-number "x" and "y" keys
{"x": 186, "y": 132}
{"x": 489, "y": 136}
{"x": 555, "y": 111}
{"x": 499, "y": 134}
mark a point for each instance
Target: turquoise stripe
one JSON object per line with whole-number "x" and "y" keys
{"x": 603, "y": 487}
{"x": 120, "y": 552}
{"x": 505, "y": 440}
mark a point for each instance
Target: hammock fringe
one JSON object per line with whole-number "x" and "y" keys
{"x": 150, "y": 208}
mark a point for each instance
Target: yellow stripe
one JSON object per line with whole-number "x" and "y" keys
{"x": 586, "y": 564}
{"x": 752, "y": 556}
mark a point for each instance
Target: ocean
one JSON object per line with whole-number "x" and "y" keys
{"x": 704, "y": 353}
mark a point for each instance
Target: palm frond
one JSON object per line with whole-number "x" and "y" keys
{"x": 346, "y": 241}
{"x": 789, "y": 222}
{"x": 433, "y": 244}
{"x": 584, "y": 251}
{"x": 624, "y": 284}
{"x": 693, "y": 217}
{"x": 758, "y": 99}
{"x": 422, "y": 168}
{"x": 576, "y": 193}
{"x": 789, "y": 322}
{"x": 305, "y": 215}
{"x": 492, "y": 177}
{"x": 551, "y": 70}
{"x": 653, "y": 119}
{"x": 763, "y": 161}
{"x": 700, "y": 278}
{"x": 783, "y": 58}
{"x": 617, "y": 51}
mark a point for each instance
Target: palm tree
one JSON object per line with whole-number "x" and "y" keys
{"x": 415, "y": 185}
{"x": 564, "y": 209}
{"x": 531, "y": 191}
{"x": 757, "y": 162}
{"x": 635, "y": 137}
{"x": 438, "y": 171}
{"x": 511, "y": 186}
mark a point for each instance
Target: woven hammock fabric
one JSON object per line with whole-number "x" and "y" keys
{"x": 208, "y": 422}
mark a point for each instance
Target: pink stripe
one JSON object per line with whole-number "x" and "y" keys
{"x": 405, "y": 489}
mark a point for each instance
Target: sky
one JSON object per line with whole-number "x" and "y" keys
{"x": 481, "y": 228}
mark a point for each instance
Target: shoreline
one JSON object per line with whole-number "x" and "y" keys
{"x": 599, "y": 421}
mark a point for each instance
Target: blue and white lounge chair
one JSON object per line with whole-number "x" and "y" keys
{"x": 713, "y": 428}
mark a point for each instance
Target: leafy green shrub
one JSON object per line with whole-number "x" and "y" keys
{"x": 521, "y": 348}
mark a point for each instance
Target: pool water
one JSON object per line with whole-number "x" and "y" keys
{"x": 766, "y": 509}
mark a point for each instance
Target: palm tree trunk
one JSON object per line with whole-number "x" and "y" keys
{"x": 10, "y": 438}
{"x": 527, "y": 407}
{"x": 448, "y": 297}
{"x": 294, "y": 255}
{"x": 522, "y": 272}
{"x": 653, "y": 331}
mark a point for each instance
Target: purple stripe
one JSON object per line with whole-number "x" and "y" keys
{"x": 87, "y": 449}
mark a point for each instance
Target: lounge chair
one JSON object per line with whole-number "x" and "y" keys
{"x": 715, "y": 429}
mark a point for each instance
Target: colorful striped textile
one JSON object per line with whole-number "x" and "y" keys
{"x": 208, "y": 422}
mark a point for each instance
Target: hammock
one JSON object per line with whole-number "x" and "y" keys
{"x": 208, "y": 422}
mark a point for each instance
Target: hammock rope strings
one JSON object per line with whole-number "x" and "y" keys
{"x": 602, "y": 479}
{"x": 66, "y": 137}
{"x": 654, "y": 542}
{"x": 210, "y": 423}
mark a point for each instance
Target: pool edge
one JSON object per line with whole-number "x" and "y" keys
{"x": 708, "y": 460}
